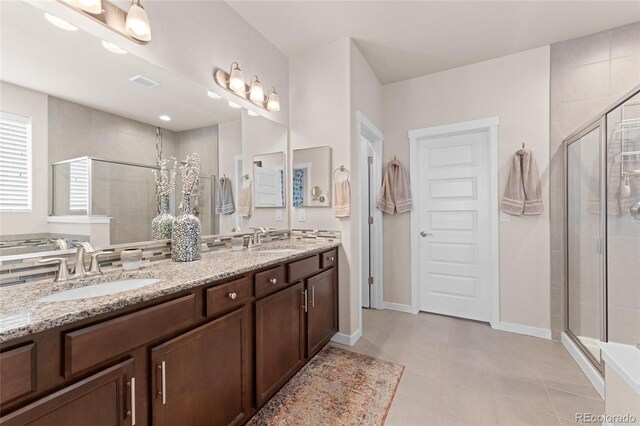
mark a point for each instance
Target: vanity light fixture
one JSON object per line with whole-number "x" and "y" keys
{"x": 273, "y": 101}
{"x": 60, "y": 23}
{"x": 233, "y": 82}
{"x": 234, "y": 105}
{"x": 91, "y": 6}
{"x": 133, "y": 24}
{"x": 137, "y": 22}
{"x": 164, "y": 117}
{"x": 113, "y": 48}
{"x": 213, "y": 94}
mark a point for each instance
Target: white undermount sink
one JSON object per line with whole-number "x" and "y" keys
{"x": 278, "y": 250}
{"x": 96, "y": 290}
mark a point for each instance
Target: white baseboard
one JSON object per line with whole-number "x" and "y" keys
{"x": 346, "y": 339}
{"x": 399, "y": 307}
{"x": 585, "y": 365}
{"x": 543, "y": 333}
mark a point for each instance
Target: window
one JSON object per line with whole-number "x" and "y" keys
{"x": 79, "y": 185}
{"x": 15, "y": 162}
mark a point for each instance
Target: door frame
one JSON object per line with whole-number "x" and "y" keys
{"x": 419, "y": 135}
{"x": 367, "y": 130}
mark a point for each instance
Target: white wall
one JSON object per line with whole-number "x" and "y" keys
{"x": 516, "y": 89}
{"x": 191, "y": 38}
{"x": 229, "y": 146}
{"x": 328, "y": 84}
{"x": 18, "y": 100}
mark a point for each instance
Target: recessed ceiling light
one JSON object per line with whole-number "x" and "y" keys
{"x": 213, "y": 95}
{"x": 252, "y": 113}
{"x": 113, "y": 48}
{"x": 164, "y": 118}
{"x": 60, "y": 23}
{"x": 234, "y": 105}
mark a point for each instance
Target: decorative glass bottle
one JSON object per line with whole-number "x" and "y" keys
{"x": 185, "y": 240}
{"x": 162, "y": 225}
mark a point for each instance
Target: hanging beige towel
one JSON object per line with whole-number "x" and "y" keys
{"x": 523, "y": 194}
{"x": 395, "y": 194}
{"x": 341, "y": 198}
{"x": 245, "y": 199}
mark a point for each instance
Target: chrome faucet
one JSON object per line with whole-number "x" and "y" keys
{"x": 85, "y": 247}
{"x": 256, "y": 239}
{"x": 62, "y": 244}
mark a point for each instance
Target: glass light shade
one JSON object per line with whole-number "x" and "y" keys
{"x": 137, "y": 24}
{"x": 273, "y": 101}
{"x": 92, "y": 6}
{"x": 256, "y": 94}
{"x": 236, "y": 79}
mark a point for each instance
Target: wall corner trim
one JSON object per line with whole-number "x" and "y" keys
{"x": 346, "y": 339}
{"x": 543, "y": 333}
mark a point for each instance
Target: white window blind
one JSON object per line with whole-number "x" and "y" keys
{"x": 79, "y": 185}
{"x": 15, "y": 162}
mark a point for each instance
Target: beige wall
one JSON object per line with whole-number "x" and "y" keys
{"x": 587, "y": 74}
{"x": 514, "y": 88}
{"x": 25, "y": 102}
{"x": 320, "y": 176}
{"x": 320, "y": 111}
{"x": 230, "y": 146}
{"x": 621, "y": 398}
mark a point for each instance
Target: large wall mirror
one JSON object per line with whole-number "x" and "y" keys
{"x": 311, "y": 177}
{"x": 95, "y": 131}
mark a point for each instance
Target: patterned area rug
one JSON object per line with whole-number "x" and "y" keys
{"x": 337, "y": 387}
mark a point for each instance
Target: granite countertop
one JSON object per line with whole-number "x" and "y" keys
{"x": 22, "y": 314}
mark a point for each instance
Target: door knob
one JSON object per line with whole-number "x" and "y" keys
{"x": 426, "y": 234}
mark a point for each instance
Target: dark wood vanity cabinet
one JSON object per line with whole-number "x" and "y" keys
{"x": 280, "y": 337}
{"x": 210, "y": 355}
{"x": 105, "y": 398}
{"x": 202, "y": 377}
{"x": 322, "y": 313}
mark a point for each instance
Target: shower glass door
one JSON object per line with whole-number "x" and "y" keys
{"x": 585, "y": 262}
{"x": 623, "y": 222}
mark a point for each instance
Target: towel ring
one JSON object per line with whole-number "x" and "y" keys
{"x": 342, "y": 168}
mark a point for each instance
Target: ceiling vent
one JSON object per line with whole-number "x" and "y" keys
{"x": 144, "y": 81}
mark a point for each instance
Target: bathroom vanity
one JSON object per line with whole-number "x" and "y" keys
{"x": 209, "y": 344}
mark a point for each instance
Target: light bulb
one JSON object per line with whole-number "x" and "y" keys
{"x": 137, "y": 23}
{"x": 273, "y": 101}
{"x": 236, "y": 79}
{"x": 256, "y": 93}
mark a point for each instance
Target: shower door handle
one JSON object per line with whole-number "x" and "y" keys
{"x": 635, "y": 211}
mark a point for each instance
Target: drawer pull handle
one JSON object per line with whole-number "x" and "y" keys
{"x": 332, "y": 258}
{"x": 232, "y": 296}
{"x": 273, "y": 281}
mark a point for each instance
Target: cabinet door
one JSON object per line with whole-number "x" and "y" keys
{"x": 202, "y": 377}
{"x": 322, "y": 315}
{"x": 104, "y": 399}
{"x": 279, "y": 340}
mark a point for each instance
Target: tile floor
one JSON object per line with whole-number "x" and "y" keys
{"x": 461, "y": 372}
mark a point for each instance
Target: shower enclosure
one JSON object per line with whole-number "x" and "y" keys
{"x": 602, "y": 199}
{"x": 125, "y": 192}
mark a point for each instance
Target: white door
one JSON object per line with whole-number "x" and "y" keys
{"x": 454, "y": 210}
{"x": 267, "y": 187}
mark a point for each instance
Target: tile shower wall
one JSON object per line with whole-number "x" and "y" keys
{"x": 123, "y": 192}
{"x": 587, "y": 74}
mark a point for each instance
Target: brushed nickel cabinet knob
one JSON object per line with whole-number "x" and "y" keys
{"x": 273, "y": 281}
{"x": 233, "y": 296}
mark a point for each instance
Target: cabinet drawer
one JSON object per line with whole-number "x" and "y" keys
{"x": 303, "y": 268}
{"x": 226, "y": 296}
{"x": 328, "y": 259}
{"x": 269, "y": 281}
{"x": 90, "y": 346}
{"x": 18, "y": 372}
